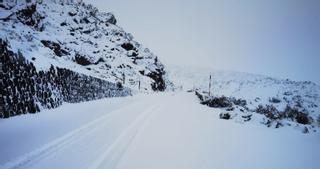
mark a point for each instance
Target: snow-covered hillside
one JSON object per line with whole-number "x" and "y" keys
{"x": 256, "y": 90}
{"x": 76, "y": 36}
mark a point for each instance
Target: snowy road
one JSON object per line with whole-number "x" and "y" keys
{"x": 160, "y": 131}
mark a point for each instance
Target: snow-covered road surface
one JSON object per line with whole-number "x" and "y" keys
{"x": 160, "y": 131}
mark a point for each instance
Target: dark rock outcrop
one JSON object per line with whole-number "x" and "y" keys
{"x": 30, "y": 16}
{"x": 82, "y": 60}
{"x": 159, "y": 83}
{"x": 112, "y": 19}
{"x": 127, "y": 46}
{"x": 55, "y": 47}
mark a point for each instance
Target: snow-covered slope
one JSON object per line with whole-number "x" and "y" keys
{"x": 255, "y": 89}
{"x": 77, "y": 36}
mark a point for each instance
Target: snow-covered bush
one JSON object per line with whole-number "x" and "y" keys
{"x": 218, "y": 102}
{"x": 270, "y": 111}
{"x": 295, "y": 115}
{"x": 274, "y": 100}
{"x": 200, "y": 96}
{"x": 239, "y": 102}
{"x": 225, "y": 115}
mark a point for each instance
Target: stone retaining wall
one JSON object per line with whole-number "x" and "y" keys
{"x": 26, "y": 90}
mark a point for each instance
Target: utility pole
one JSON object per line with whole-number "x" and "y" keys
{"x": 123, "y": 78}
{"x": 139, "y": 84}
{"x": 209, "y": 85}
{"x": 1, "y": 96}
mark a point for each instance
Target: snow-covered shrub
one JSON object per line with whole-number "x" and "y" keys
{"x": 225, "y": 115}
{"x": 287, "y": 93}
{"x": 274, "y": 100}
{"x": 218, "y": 102}
{"x": 269, "y": 111}
{"x": 303, "y": 118}
{"x": 221, "y": 102}
{"x": 279, "y": 124}
{"x": 305, "y": 130}
{"x": 295, "y": 115}
{"x": 239, "y": 102}
{"x": 230, "y": 108}
{"x": 247, "y": 117}
{"x": 200, "y": 96}
{"x": 298, "y": 101}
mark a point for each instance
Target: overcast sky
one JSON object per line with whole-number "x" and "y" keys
{"x": 280, "y": 38}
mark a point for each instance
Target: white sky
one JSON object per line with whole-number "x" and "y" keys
{"x": 280, "y": 38}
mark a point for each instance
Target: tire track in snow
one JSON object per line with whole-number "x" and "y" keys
{"x": 50, "y": 148}
{"x": 113, "y": 153}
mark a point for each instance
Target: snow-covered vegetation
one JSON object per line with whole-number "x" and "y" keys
{"x": 254, "y": 98}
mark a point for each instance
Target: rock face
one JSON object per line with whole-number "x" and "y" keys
{"x": 55, "y": 47}
{"x": 26, "y": 90}
{"x": 159, "y": 83}
{"x": 30, "y": 16}
{"x": 74, "y": 35}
